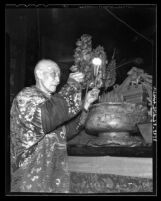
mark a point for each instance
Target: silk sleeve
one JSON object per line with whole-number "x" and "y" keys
{"x": 61, "y": 107}
{"x": 74, "y": 126}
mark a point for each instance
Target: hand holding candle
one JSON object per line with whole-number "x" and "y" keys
{"x": 91, "y": 96}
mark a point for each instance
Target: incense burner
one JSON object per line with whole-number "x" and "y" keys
{"x": 115, "y": 117}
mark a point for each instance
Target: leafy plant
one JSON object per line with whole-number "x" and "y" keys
{"x": 83, "y": 57}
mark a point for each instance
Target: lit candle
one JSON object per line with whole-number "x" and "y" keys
{"x": 97, "y": 62}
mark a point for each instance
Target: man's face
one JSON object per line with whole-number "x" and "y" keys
{"x": 50, "y": 80}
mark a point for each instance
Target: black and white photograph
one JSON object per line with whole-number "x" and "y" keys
{"x": 81, "y": 100}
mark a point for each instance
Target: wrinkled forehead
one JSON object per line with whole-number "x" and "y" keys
{"x": 47, "y": 67}
{"x": 51, "y": 69}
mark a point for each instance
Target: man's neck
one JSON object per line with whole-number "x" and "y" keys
{"x": 42, "y": 89}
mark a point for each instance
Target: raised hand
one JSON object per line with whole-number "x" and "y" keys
{"x": 78, "y": 76}
{"x": 91, "y": 97}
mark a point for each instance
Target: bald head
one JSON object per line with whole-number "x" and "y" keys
{"x": 45, "y": 65}
{"x": 47, "y": 75}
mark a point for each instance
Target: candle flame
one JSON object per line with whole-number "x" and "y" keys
{"x": 97, "y": 61}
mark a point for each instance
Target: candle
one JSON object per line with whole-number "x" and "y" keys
{"x": 97, "y": 63}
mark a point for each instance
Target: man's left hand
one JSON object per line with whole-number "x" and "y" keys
{"x": 91, "y": 97}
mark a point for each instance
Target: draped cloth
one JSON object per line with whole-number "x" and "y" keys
{"x": 38, "y": 135}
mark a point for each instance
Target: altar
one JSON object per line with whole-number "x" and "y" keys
{"x": 109, "y": 169}
{"x": 114, "y": 152}
{"x": 104, "y": 175}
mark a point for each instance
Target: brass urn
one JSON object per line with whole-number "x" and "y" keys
{"x": 115, "y": 118}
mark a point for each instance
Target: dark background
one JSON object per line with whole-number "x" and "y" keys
{"x": 35, "y": 33}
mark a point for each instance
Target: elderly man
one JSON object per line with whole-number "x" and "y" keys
{"x": 40, "y": 127}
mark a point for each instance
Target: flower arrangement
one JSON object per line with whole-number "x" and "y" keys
{"x": 111, "y": 73}
{"x": 82, "y": 58}
{"x": 95, "y": 75}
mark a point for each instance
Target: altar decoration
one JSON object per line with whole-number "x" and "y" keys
{"x": 115, "y": 117}
{"x": 82, "y": 58}
{"x": 119, "y": 110}
{"x": 93, "y": 63}
{"x": 118, "y": 115}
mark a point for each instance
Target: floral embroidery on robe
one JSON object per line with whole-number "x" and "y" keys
{"x": 38, "y": 139}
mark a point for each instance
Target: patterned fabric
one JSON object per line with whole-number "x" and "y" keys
{"x": 72, "y": 98}
{"x": 38, "y": 157}
{"x": 91, "y": 183}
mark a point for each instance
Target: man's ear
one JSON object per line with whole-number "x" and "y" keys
{"x": 39, "y": 74}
